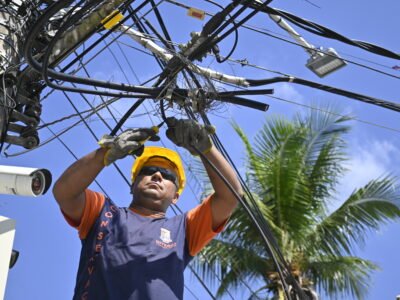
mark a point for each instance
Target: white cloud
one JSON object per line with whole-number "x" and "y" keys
{"x": 368, "y": 161}
{"x": 288, "y": 92}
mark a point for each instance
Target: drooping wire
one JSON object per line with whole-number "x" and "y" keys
{"x": 65, "y": 77}
{"x": 164, "y": 117}
{"x": 162, "y": 108}
{"x": 328, "y": 33}
{"x": 74, "y": 156}
{"x": 256, "y": 222}
{"x": 275, "y": 35}
{"x": 258, "y": 213}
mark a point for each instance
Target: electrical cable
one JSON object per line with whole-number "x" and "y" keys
{"x": 196, "y": 275}
{"x": 162, "y": 110}
{"x": 61, "y": 76}
{"x": 363, "y": 98}
{"x": 236, "y": 40}
{"x": 328, "y": 33}
{"x": 331, "y": 90}
{"x": 266, "y": 33}
{"x": 174, "y": 66}
{"x": 335, "y": 114}
{"x": 140, "y": 101}
{"x": 101, "y": 97}
{"x": 225, "y": 97}
{"x": 241, "y": 22}
{"x": 258, "y": 213}
{"x": 94, "y": 134}
{"x": 255, "y": 221}
{"x": 268, "y": 235}
{"x": 247, "y": 191}
{"x": 76, "y": 158}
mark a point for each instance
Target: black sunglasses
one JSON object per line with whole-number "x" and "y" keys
{"x": 165, "y": 173}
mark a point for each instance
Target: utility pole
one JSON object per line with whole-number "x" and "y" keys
{"x": 7, "y": 232}
{"x": 19, "y": 107}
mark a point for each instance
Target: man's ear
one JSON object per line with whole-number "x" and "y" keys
{"x": 175, "y": 199}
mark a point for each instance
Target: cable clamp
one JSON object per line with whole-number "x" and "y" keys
{"x": 198, "y": 99}
{"x": 169, "y": 92}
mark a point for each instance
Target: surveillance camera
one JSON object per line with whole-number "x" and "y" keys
{"x": 24, "y": 181}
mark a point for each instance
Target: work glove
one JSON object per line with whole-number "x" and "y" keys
{"x": 128, "y": 142}
{"x": 189, "y": 134}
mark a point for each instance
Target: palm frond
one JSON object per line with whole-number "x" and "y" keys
{"x": 325, "y": 152}
{"x": 233, "y": 264}
{"x": 341, "y": 277}
{"x": 365, "y": 210}
{"x": 277, "y": 163}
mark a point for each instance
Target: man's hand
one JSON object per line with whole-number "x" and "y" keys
{"x": 190, "y": 134}
{"x": 128, "y": 142}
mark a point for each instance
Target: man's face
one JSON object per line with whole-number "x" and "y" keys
{"x": 155, "y": 188}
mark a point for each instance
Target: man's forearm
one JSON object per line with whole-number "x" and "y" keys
{"x": 224, "y": 201}
{"x": 69, "y": 188}
{"x": 220, "y": 188}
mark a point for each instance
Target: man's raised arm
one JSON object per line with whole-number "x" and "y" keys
{"x": 194, "y": 136}
{"x": 224, "y": 201}
{"x": 69, "y": 189}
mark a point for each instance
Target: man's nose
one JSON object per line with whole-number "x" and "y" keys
{"x": 157, "y": 176}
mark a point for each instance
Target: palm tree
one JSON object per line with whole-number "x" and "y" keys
{"x": 293, "y": 171}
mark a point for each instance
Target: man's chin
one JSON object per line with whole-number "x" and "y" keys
{"x": 152, "y": 194}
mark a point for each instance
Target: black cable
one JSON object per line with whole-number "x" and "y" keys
{"x": 363, "y": 98}
{"x": 101, "y": 97}
{"x": 57, "y": 75}
{"x": 241, "y": 22}
{"x": 75, "y": 79}
{"x": 175, "y": 65}
{"x": 76, "y": 158}
{"x": 219, "y": 60}
{"x": 214, "y": 39}
{"x": 140, "y": 101}
{"x": 264, "y": 32}
{"x": 171, "y": 47}
{"x": 93, "y": 134}
{"x": 263, "y": 229}
{"x": 328, "y": 33}
{"x": 216, "y": 24}
{"x": 210, "y": 30}
{"x": 235, "y": 41}
{"x": 258, "y": 213}
{"x": 250, "y": 213}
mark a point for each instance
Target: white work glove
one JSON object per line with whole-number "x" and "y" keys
{"x": 189, "y": 134}
{"x": 128, "y": 142}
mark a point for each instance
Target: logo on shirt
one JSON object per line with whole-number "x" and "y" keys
{"x": 165, "y": 239}
{"x": 165, "y": 235}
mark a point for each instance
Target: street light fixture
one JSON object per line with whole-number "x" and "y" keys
{"x": 321, "y": 62}
{"x": 325, "y": 62}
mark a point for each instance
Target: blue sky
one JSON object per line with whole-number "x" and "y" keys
{"x": 50, "y": 248}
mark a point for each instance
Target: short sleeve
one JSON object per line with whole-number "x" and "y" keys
{"x": 199, "y": 230}
{"x": 94, "y": 203}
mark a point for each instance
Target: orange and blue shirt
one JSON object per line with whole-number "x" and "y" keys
{"x": 126, "y": 255}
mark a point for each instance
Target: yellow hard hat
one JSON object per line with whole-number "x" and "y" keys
{"x": 152, "y": 153}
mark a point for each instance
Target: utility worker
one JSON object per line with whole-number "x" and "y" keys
{"x": 137, "y": 253}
